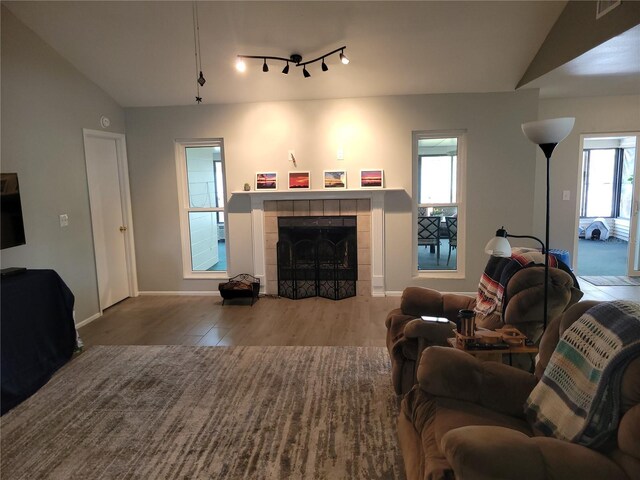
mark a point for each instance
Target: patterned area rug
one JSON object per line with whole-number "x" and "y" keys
{"x": 606, "y": 281}
{"x": 167, "y": 412}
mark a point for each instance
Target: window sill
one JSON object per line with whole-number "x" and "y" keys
{"x": 438, "y": 274}
{"x": 211, "y": 275}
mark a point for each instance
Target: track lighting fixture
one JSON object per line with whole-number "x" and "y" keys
{"x": 295, "y": 58}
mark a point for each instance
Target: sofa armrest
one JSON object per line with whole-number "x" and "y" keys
{"x": 490, "y": 452}
{"x": 434, "y": 333}
{"x": 449, "y": 372}
{"x": 418, "y": 301}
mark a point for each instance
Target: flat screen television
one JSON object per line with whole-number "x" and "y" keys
{"x": 11, "y": 223}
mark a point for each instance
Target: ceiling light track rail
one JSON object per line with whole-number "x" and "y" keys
{"x": 295, "y": 59}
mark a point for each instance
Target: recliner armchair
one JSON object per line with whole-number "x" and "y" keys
{"x": 408, "y": 335}
{"x": 464, "y": 419}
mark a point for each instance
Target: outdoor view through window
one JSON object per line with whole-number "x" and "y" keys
{"x": 206, "y": 208}
{"x": 437, "y": 203}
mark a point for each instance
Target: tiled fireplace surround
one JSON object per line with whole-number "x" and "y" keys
{"x": 367, "y": 206}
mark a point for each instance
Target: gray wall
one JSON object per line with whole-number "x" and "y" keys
{"x": 46, "y": 103}
{"x": 615, "y": 114}
{"x": 374, "y": 133}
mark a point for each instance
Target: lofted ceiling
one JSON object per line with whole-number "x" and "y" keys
{"x": 142, "y": 53}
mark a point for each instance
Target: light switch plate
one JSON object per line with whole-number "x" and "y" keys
{"x": 64, "y": 220}
{"x": 566, "y": 195}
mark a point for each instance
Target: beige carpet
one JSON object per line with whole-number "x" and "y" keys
{"x": 168, "y": 412}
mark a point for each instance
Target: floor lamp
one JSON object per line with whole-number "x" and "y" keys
{"x": 547, "y": 134}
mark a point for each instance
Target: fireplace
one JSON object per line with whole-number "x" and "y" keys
{"x": 317, "y": 257}
{"x": 367, "y": 205}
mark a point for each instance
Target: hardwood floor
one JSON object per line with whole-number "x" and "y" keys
{"x": 194, "y": 320}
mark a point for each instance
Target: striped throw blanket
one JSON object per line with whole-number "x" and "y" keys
{"x": 578, "y": 396}
{"x": 499, "y": 270}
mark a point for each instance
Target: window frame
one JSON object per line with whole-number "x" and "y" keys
{"x": 461, "y": 179}
{"x": 184, "y": 207}
{"x": 616, "y": 189}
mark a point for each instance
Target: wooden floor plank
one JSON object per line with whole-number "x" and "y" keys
{"x": 200, "y": 320}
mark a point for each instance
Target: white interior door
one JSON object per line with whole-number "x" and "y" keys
{"x": 108, "y": 219}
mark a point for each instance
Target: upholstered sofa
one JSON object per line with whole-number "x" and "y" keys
{"x": 465, "y": 420}
{"x": 408, "y": 335}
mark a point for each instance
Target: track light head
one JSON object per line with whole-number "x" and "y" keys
{"x": 324, "y": 66}
{"x": 343, "y": 58}
{"x": 305, "y": 72}
{"x": 265, "y": 67}
{"x": 285, "y": 70}
{"x": 201, "y": 80}
{"x": 240, "y": 65}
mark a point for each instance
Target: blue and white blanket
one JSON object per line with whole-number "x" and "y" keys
{"x": 578, "y": 396}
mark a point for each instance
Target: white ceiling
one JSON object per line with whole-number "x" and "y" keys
{"x": 142, "y": 53}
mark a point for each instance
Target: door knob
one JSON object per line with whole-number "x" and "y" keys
{"x": 123, "y": 229}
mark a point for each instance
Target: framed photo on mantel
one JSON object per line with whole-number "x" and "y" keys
{"x": 335, "y": 179}
{"x": 371, "y": 178}
{"x": 266, "y": 181}
{"x": 299, "y": 180}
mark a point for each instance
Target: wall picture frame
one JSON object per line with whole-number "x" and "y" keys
{"x": 299, "y": 180}
{"x": 371, "y": 178}
{"x": 335, "y": 179}
{"x": 266, "y": 180}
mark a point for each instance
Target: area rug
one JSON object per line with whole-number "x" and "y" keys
{"x": 606, "y": 281}
{"x": 168, "y": 412}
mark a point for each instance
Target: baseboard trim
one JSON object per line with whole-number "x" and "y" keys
{"x": 205, "y": 293}
{"x": 87, "y": 321}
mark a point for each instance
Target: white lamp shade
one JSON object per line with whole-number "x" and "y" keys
{"x": 498, "y": 247}
{"x": 553, "y": 130}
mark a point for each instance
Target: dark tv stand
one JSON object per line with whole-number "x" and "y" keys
{"x": 5, "y": 272}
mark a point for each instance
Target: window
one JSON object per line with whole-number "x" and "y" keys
{"x": 439, "y": 220}
{"x": 607, "y": 182}
{"x": 200, "y": 166}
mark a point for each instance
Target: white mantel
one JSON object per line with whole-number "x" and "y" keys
{"x": 376, "y": 195}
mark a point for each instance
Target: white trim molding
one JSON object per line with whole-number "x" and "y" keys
{"x": 88, "y": 320}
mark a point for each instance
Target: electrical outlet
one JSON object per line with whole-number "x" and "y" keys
{"x": 566, "y": 195}
{"x": 64, "y": 220}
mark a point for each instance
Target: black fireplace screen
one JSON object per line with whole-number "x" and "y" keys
{"x": 317, "y": 257}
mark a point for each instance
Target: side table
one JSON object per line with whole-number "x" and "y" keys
{"x": 494, "y": 354}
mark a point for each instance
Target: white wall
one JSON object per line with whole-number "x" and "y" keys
{"x": 46, "y": 103}
{"x": 373, "y": 133}
{"x": 614, "y": 114}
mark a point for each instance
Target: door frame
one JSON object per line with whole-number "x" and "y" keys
{"x": 633, "y": 262}
{"x": 125, "y": 198}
